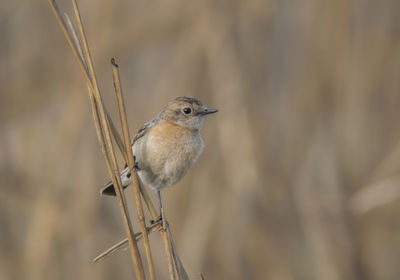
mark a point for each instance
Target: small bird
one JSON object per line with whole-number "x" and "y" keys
{"x": 166, "y": 147}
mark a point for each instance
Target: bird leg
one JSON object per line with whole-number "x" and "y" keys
{"x": 161, "y": 217}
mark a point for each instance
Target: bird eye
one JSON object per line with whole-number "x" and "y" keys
{"x": 187, "y": 111}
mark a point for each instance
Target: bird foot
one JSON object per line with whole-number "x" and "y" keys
{"x": 135, "y": 164}
{"x": 159, "y": 220}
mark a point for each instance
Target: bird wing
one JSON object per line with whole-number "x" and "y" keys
{"x": 144, "y": 129}
{"x": 108, "y": 188}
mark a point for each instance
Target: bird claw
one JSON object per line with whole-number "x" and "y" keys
{"x": 159, "y": 220}
{"x": 135, "y": 163}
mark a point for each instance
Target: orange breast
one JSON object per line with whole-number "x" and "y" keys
{"x": 166, "y": 141}
{"x": 170, "y": 132}
{"x": 169, "y": 151}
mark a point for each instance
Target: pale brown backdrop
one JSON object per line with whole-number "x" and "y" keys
{"x": 300, "y": 178}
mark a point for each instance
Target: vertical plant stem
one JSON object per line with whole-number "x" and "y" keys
{"x": 135, "y": 185}
{"x": 167, "y": 246}
{"x": 114, "y": 173}
{"x": 103, "y": 123}
{"x": 116, "y": 136}
{"x": 147, "y": 200}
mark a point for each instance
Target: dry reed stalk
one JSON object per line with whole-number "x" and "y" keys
{"x": 97, "y": 107}
{"x": 147, "y": 200}
{"x": 170, "y": 251}
{"x": 104, "y": 124}
{"x": 128, "y": 147}
{"x": 117, "y": 138}
{"x": 123, "y": 243}
{"x": 137, "y": 261}
{"x": 167, "y": 246}
{"x": 179, "y": 268}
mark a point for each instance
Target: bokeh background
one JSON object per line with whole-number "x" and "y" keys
{"x": 300, "y": 178}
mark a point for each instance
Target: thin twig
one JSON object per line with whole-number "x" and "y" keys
{"x": 147, "y": 199}
{"x": 117, "y": 137}
{"x": 180, "y": 269}
{"x": 73, "y": 41}
{"x": 70, "y": 40}
{"x": 114, "y": 172}
{"x": 103, "y": 123}
{"x": 98, "y": 105}
{"x": 128, "y": 147}
{"x": 168, "y": 252}
{"x": 75, "y": 38}
{"x": 124, "y": 243}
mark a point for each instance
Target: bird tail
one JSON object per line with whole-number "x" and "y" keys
{"x": 109, "y": 189}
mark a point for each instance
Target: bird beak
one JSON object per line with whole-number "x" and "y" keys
{"x": 209, "y": 111}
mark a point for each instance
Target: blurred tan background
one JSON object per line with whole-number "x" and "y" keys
{"x": 300, "y": 178}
